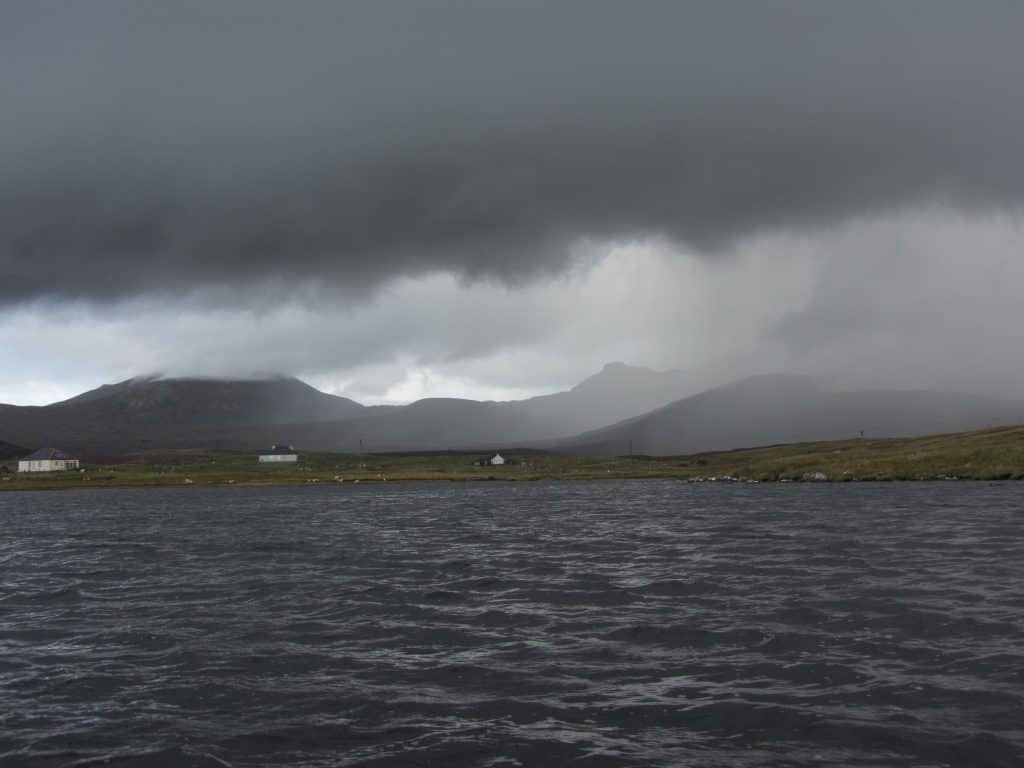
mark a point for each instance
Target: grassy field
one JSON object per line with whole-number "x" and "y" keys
{"x": 992, "y": 454}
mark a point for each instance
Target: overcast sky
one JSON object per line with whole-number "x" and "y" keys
{"x": 393, "y": 199}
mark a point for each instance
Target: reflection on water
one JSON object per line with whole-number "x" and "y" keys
{"x": 611, "y": 623}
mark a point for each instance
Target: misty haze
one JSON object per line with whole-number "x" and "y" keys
{"x": 526, "y": 384}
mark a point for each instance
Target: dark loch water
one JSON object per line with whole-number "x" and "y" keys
{"x": 582, "y": 624}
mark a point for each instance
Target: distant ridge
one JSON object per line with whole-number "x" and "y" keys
{"x": 778, "y": 409}
{"x": 617, "y": 392}
{"x": 281, "y": 400}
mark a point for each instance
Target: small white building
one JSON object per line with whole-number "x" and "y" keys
{"x": 497, "y": 459}
{"x": 279, "y": 454}
{"x": 48, "y": 460}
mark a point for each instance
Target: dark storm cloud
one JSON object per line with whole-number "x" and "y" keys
{"x": 165, "y": 147}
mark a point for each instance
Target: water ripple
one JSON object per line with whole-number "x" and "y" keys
{"x": 603, "y": 624}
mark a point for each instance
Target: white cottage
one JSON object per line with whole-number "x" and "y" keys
{"x": 280, "y": 454}
{"x": 497, "y": 459}
{"x": 48, "y": 460}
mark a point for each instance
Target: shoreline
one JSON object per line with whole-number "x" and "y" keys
{"x": 985, "y": 455}
{"x": 71, "y": 483}
{"x": 438, "y": 481}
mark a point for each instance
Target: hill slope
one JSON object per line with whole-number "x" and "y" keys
{"x": 617, "y": 392}
{"x": 170, "y": 412}
{"x": 10, "y": 451}
{"x": 769, "y": 410}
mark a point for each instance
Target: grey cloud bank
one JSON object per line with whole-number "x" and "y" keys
{"x": 182, "y": 148}
{"x": 929, "y": 300}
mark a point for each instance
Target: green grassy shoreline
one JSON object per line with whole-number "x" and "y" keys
{"x": 991, "y": 454}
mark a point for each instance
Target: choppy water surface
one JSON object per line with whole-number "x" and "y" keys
{"x": 591, "y": 624}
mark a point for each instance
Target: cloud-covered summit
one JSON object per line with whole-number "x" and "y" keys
{"x": 165, "y": 148}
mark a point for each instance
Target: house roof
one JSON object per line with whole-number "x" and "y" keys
{"x": 48, "y": 453}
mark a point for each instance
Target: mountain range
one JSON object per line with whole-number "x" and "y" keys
{"x": 620, "y": 409}
{"x": 154, "y": 412}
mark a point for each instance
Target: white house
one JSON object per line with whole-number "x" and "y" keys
{"x": 497, "y": 459}
{"x": 48, "y": 460}
{"x": 279, "y": 454}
